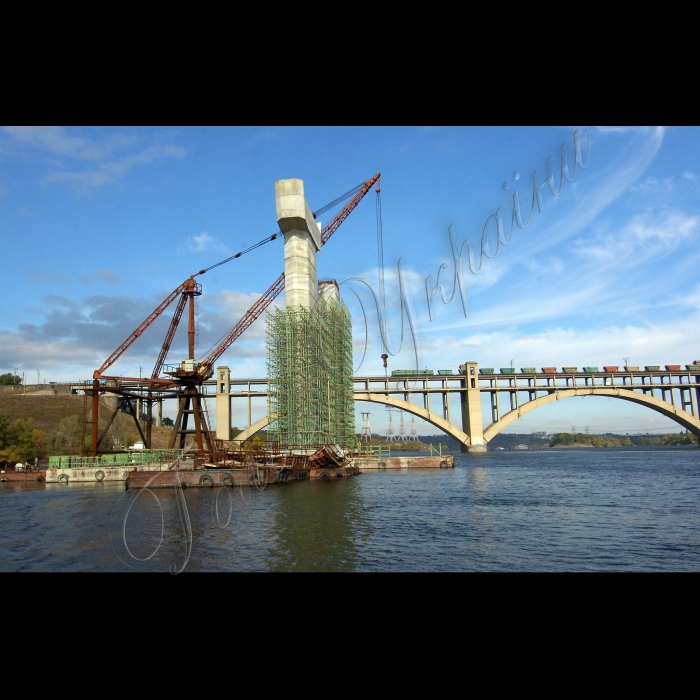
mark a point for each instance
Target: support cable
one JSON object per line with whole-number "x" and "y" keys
{"x": 380, "y": 265}
{"x": 340, "y": 199}
{"x": 243, "y": 252}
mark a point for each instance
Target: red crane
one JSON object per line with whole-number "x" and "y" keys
{"x": 277, "y": 286}
{"x": 190, "y": 374}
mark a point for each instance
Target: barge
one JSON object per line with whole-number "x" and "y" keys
{"x": 373, "y": 463}
{"x": 25, "y": 475}
{"x": 249, "y": 468}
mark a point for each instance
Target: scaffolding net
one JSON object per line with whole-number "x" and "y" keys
{"x": 309, "y": 366}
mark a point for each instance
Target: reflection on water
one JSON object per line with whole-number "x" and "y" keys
{"x": 549, "y": 510}
{"x": 316, "y": 529}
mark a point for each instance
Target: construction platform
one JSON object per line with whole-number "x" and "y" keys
{"x": 100, "y": 473}
{"x": 189, "y": 478}
{"x": 374, "y": 463}
{"x": 67, "y": 469}
{"x": 258, "y": 476}
{"x": 23, "y": 476}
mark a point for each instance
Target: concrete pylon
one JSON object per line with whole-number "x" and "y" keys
{"x": 472, "y": 423}
{"x": 223, "y": 403}
{"x": 302, "y": 239}
{"x": 328, "y": 291}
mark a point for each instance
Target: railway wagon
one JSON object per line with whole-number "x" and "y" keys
{"x": 412, "y": 373}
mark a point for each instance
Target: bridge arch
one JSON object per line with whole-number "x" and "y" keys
{"x": 256, "y": 427}
{"x": 432, "y": 418}
{"x": 428, "y": 416}
{"x": 676, "y": 414}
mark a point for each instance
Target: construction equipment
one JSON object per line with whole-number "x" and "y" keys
{"x": 187, "y": 377}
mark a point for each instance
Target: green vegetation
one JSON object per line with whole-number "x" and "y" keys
{"x": 9, "y": 378}
{"x": 580, "y": 439}
{"x": 60, "y": 419}
{"x": 509, "y": 440}
{"x": 20, "y": 441}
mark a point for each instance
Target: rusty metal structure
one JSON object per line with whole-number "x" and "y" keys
{"x": 184, "y": 380}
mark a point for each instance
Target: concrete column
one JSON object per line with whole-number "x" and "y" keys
{"x": 302, "y": 239}
{"x": 159, "y": 414}
{"x": 223, "y": 403}
{"x": 472, "y": 423}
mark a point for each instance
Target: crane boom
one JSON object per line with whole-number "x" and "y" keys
{"x": 170, "y": 335}
{"x": 151, "y": 318}
{"x": 275, "y": 290}
{"x": 330, "y": 228}
{"x": 248, "y": 319}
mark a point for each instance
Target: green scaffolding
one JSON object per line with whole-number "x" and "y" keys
{"x": 309, "y": 367}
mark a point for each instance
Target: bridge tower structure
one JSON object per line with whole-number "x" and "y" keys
{"x": 309, "y": 342}
{"x": 472, "y": 422}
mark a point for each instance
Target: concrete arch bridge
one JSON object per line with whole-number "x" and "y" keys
{"x": 674, "y": 394}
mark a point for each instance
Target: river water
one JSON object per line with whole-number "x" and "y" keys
{"x": 536, "y": 510}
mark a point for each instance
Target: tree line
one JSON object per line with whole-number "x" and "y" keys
{"x": 9, "y": 379}
{"x": 20, "y": 441}
{"x": 623, "y": 441}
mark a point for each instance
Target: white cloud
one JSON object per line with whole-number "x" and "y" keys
{"x": 603, "y": 186}
{"x": 623, "y": 129}
{"x": 651, "y": 184}
{"x": 690, "y": 175}
{"x": 203, "y": 242}
{"x": 655, "y": 343}
{"x": 57, "y": 140}
{"x": 107, "y": 173}
{"x": 692, "y": 300}
{"x": 643, "y": 237}
{"x": 92, "y": 148}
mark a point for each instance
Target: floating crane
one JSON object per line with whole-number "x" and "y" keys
{"x": 188, "y": 376}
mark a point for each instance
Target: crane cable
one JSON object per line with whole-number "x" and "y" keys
{"x": 380, "y": 268}
{"x": 347, "y": 195}
{"x": 340, "y": 199}
{"x": 322, "y": 210}
{"x": 243, "y": 252}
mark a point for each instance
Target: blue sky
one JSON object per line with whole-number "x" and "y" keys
{"x": 100, "y": 224}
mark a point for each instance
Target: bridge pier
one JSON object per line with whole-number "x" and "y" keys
{"x": 472, "y": 423}
{"x": 223, "y": 403}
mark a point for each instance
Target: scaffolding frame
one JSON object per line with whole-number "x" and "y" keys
{"x": 309, "y": 367}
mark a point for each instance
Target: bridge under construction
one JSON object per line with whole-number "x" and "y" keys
{"x": 309, "y": 347}
{"x": 309, "y": 391}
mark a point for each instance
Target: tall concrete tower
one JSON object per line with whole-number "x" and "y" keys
{"x": 309, "y": 344}
{"x": 302, "y": 240}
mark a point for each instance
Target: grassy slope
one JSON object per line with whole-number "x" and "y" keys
{"x": 49, "y": 411}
